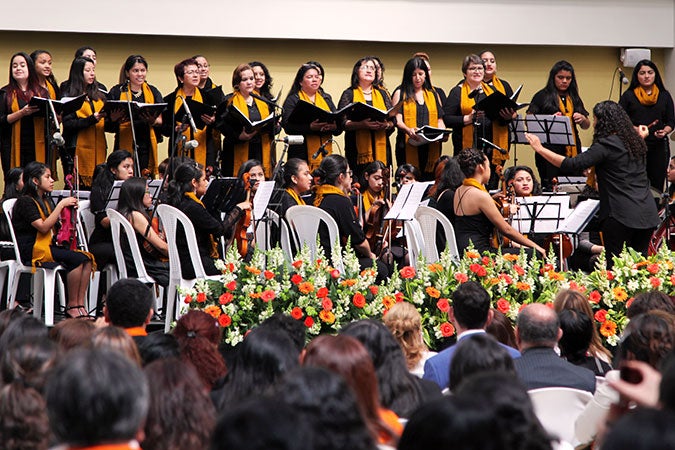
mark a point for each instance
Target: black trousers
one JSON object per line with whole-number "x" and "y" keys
{"x": 615, "y": 235}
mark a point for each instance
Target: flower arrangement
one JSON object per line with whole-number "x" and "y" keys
{"x": 324, "y": 298}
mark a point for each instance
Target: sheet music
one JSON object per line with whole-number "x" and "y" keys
{"x": 407, "y": 201}
{"x": 401, "y": 197}
{"x": 262, "y": 198}
{"x": 582, "y": 214}
{"x": 540, "y": 213}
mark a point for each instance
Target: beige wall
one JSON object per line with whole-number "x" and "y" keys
{"x": 528, "y": 65}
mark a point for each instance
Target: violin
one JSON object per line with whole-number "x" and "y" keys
{"x": 374, "y": 226}
{"x": 504, "y": 206}
{"x": 245, "y": 222}
{"x": 148, "y": 247}
{"x": 67, "y": 235}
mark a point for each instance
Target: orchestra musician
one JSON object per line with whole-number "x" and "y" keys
{"x": 476, "y": 214}
{"x": 297, "y": 181}
{"x": 407, "y": 173}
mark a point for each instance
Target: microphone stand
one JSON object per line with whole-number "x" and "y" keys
{"x": 51, "y": 119}
{"x": 134, "y": 144}
{"x": 275, "y": 131}
{"x": 190, "y": 119}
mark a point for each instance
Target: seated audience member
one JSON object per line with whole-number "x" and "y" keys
{"x": 23, "y": 418}
{"x": 647, "y": 338}
{"x": 537, "y": 333}
{"x": 405, "y": 323}
{"x": 478, "y": 353}
{"x": 71, "y": 334}
{"x": 325, "y": 401}
{"x": 158, "y": 345}
{"x": 22, "y": 329}
{"x": 642, "y": 429}
{"x": 501, "y": 328}
{"x": 117, "y": 340}
{"x": 648, "y": 301}
{"x": 262, "y": 424}
{"x": 29, "y": 363}
{"x": 577, "y": 330}
{"x": 470, "y": 313}
{"x": 295, "y": 329}
{"x": 181, "y": 414}
{"x": 130, "y": 306}
{"x": 107, "y": 410}
{"x": 400, "y": 391}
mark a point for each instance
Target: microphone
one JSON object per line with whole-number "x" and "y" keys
{"x": 322, "y": 149}
{"x": 292, "y": 139}
{"x": 189, "y": 145}
{"x": 58, "y": 140}
{"x": 476, "y": 92}
{"x": 495, "y": 146}
{"x": 622, "y": 76}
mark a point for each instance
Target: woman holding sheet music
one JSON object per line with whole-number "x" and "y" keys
{"x": 318, "y": 135}
{"x": 366, "y": 140}
{"x": 241, "y": 143}
{"x": 176, "y": 122}
{"x": 627, "y": 209}
{"x": 560, "y": 97}
{"x": 421, "y": 106}
{"x": 146, "y": 124}
{"x": 22, "y": 133}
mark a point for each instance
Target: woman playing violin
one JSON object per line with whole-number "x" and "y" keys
{"x": 373, "y": 194}
{"x": 297, "y": 181}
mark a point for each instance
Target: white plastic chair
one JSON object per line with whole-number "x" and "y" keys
{"x": 44, "y": 280}
{"x": 263, "y": 238}
{"x": 414, "y": 240}
{"x": 428, "y": 219}
{"x": 170, "y": 217}
{"x": 305, "y": 220}
{"x": 557, "y": 408}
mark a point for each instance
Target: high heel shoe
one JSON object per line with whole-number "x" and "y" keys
{"x": 78, "y": 316}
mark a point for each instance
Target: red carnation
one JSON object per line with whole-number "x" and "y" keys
{"x": 601, "y": 316}
{"x": 408, "y": 272}
{"x": 447, "y": 329}
{"x": 225, "y": 298}
{"x": 296, "y": 313}
{"x": 224, "y": 320}
{"x": 309, "y": 322}
{"x": 503, "y": 305}
{"x": 443, "y": 305}
{"x": 322, "y": 292}
{"x": 296, "y": 279}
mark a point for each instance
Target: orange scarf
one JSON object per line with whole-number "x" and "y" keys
{"x": 51, "y": 89}
{"x": 42, "y": 251}
{"x": 371, "y": 145}
{"x": 647, "y": 99}
{"x": 567, "y": 109}
{"x": 324, "y": 189}
{"x": 294, "y": 195}
{"x": 314, "y": 141}
{"x": 475, "y": 183}
{"x": 241, "y": 149}
{"x": 369, "y": 198}
{"x": 500, "y": 133}
{"x": 125, "y": 136}
{"x": 410, "y": 119}
{"x": 38, "y": 139}
{"x": 91, "y": 144}
{"x": 201, "y": 135}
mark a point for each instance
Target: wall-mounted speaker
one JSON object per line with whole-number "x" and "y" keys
{"x": 631, "y": 56}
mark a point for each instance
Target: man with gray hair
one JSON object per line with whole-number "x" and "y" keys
{"x": 537, "y": 333}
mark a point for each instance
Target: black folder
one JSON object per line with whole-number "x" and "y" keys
{"x": 306, "y": 112}
{"x": 497, "y": 101}
{"x": 223, "y": 194}
{"x": 362, "y": 111}
{"x": 154, "y": 109}
{"x": 197, "y": 109}
{"x": 234, "y": 115}
{"x": 66, "y": 105}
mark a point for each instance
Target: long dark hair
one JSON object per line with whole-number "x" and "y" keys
{"x": 128, "y": 64}
{"x": 330, "y": 169}
{"x": 510, "y": 174}
{"x": 182, "y": 182}
{"x": 131, "y": 197}
{"x": 51, "y": 78}
{"x": 613, "y": 119}
{"x": 33, "y": 169}
{"x": 265, "y": 90}
{"x": 300, "y": 74}
{"x": 104, "y": 181}
{"x": 407, "y": 88}
{"x": 551, "y": 97}
{"x": 657, "y": 75}
{"x": 76, "y": 84}
{"x": 11, "y": 180}
{"x": 13, "y": 89}
{"x": 291, "y": 168}
{"x": 357, "y": 67}
{"x": 451, "y": 177}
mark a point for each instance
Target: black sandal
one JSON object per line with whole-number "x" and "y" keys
{"x": 79, "y": 316}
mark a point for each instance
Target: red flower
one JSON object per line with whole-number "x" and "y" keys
{"x": 267, "y": 295}
{"x": 629, "y": 302}
{"x": 610, "y": 275}
{"x": 519, "y": 270}
{"x": 309, "y": 322}
{"x": 201, "y": 297}
{"x": 232, "y": 285}
{"x": 672, "y": 279}
{"x": 297, "y": 264}
{"x": 653, "y": 268}
{"x": 655, "y": 282}
{"x": 335, "y": 273}
{"x": 503, "y": 305}
{"x": 230, "y": 267}
{"x": 408, "y": 272}
{"x": 296, "y": 279}
{"x": 359, "y": 300}
{"x": 322, "y": 292}
{"x": 296, "y": 313}
{"x": 478, "y": 269}
{"x": 224, "y": 320}
{"x": 595, "y": 297}
{"x": 601, "y": 316}
{"x": 447, "y": 329}
{"x": 225, "y": 298}
{"x": 268, "y": 274}
{"x": 399, "y": 297}
{"x": 461, "y": 277}
{"x": 374, "y": 289}
{"x": 443, "y": 305}
{"x": 506, "y": 277}
{"x": 327, "y": 304}
{"x": 486, "y": 260}
{"x": 188, "y": 299}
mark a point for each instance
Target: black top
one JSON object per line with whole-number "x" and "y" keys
{"x": 25, "y": 213}
{"x": 539, "y": 105}
{"x": 141, "y": 127}
{"x": 476, "y": 228}
{"x": 300, "y": 151}
{"x": 231, "y": 133}
{"x": 662, "y": 111}
{"x": 622, "y": 183}
{"x": 27, "y": 151}
{"x": 342, "y": 210}
{"x": 97, "y": 203}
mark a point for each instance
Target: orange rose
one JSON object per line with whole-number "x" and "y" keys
{"x": 601, "y": 316}
{"x": 595, "y": 297}
{"x": 296, "y": 313}
{"x": 224, "y": 320}
{"x": 447, "y": 329}
{"x": 359, "y": 300}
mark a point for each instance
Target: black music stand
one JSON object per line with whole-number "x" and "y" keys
{"x": 223, "y": 194}
{"x": 540, "y": 214}
{"x": 550, "y": 129}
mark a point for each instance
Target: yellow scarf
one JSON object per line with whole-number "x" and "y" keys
{"x": 370, "y": 145}
{"x": 51, "y": 89}
{"x": 38, "y": 139}
{"x": 125, "y": 136}
{"x": 647, "y": 99}
{"x": 369, "y": 198}
{"x": 314, "y": 141}
{"x": 475, "y": 183}
{"x": 325, "y": 189}
{"x": 241, "y": 149}
{"x": 214, "y": 245}
{"x": 201, "y": 135}
{"x": 500, "y": 133}
{"x": 567, "y": 109}
{"x": 42, "y": 252}
{"x": 294, "y": 195}
{"x": 91, "y": 144}
{"x": 410, "y": 119}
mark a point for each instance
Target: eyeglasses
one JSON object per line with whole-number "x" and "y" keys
{"x": 475, "y": 69}
{"x": 349, "y": 172}
{"x": 367, "y": 68}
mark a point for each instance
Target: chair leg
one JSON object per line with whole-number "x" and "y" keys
{"x": 48, "y": 293}
{"x": 12, "y": 286}
{"x": 169, "y": 314}
{"x": 39, "y": 297}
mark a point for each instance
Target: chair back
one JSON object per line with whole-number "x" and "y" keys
{"x": 305, "y": 220}
{"x": 264, "y": 238}
{"x": 557, "y": 408}
{"x": 120, "y": 223}
{"x": 414, "y": 240}
{"x": 8, "y": 209}
{"x": 170, "y": 218}
{"x": 428, "y": 219}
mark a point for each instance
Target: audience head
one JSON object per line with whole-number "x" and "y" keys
{"x": 8, "y": 316}
{"x": 21, "y": 330}
{"x": 29, "y": 363}
{"x": 198, "y": 336}
{"x": 471, "y": 306}
{"x": 405, "y": 324}
{"x": 181, "y": 414}
{"x": 648, "y": 301}
{"x": 573, "y": 299}
{"x": 158, "y": 345}
{"x": 537, "y": 326}
{"x": 642, "y": 429}
{"x": 70, "y": 334}
{"x": 129, "y": 304}
{"x": 648, "y": 337}
{"x": 501, "y": 328}
{"x": 116, "y": 339}
{"x": 577, "y": 331}
{"x": 96, "y": 397}
{"x": 24, "y": 424}
{"x": 295, "y": 329}
{"x": 478, "y": 353}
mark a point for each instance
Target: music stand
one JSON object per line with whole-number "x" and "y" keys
{"x": 550, "y": 129}
{"x": 540, "y": 213}
{"x": 114, "y": 196}
{"x": 223, "y": 194}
